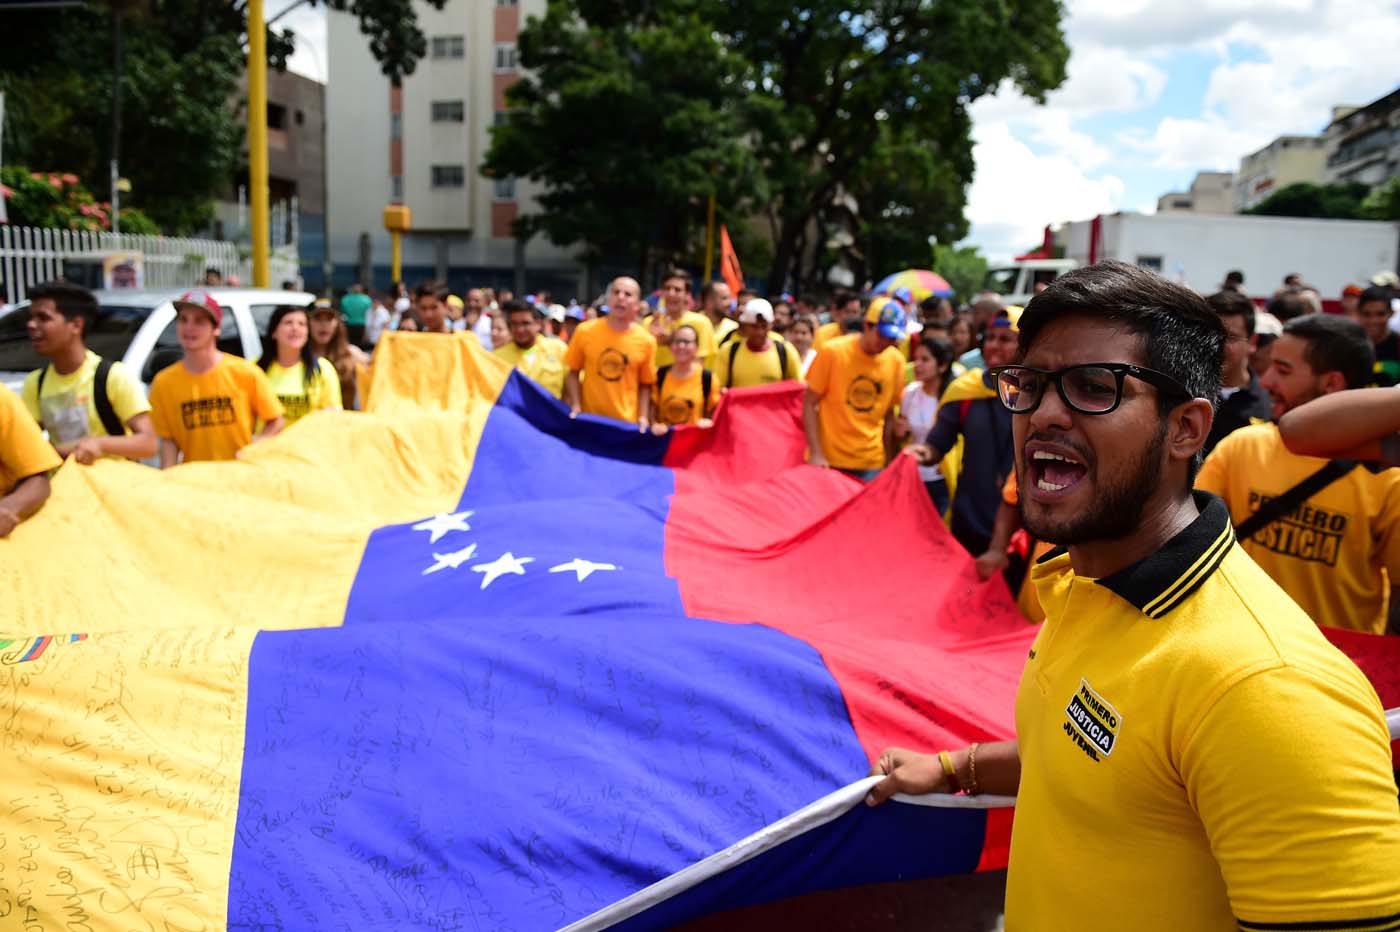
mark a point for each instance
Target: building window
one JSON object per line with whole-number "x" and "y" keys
{"x": 507, "y": 2}
{"x": 449, "y": 176}
{"x": 276, "y": 116}
{"x": 499, "y": 117}
{"x": 448, "y": 47}
{"x": 396, "y": 126}
{"x": 448, "y": 111}
{"x": 1151, "y": 263}
{"x": 503, "y": 189}
{"x": 505, "y": 56}
{"x": 396, "y": 188}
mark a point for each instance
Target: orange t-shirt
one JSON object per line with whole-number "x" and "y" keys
{"x": 683, "y": 401}
{"x": 210, "y": 416}
{"x": 614, "y": 365}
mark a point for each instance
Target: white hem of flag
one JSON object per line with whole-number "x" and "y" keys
{"x": 825, "y": 810}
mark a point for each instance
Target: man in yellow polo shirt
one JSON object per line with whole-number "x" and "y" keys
{"x": 1337, "y": 552}
{"x": 675, "y": 312}
{"x": 1190, "y": 751}
{"x": 852, "y": 388}
{"x": 538, "y": 356}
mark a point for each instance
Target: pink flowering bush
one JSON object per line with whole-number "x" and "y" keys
{"x": 59, "y": 200}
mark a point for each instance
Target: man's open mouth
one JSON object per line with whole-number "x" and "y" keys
{"x": 1055, "y": 472}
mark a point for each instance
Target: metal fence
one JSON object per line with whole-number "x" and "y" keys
{"x": 29, "y": 255}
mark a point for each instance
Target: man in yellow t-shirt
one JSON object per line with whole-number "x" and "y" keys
{"x": 1338, "y": 552}
{"x": 537, "y": 356}
{"x": 611, "y": 361}
{"x": 675, "y": 312}
{"x": 852, "y": 388}
{"x": 90, "y": 408}
{"x": 844, "y": 307}
{"x": 26, "y": 460}
{"x": 1190, "y": 751}
{"x": 761, "y": 357}
{"x": 715, "y": 301}
{"x": 204, "y": 406}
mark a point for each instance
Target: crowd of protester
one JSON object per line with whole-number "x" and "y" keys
{"x": 884, "y": 374}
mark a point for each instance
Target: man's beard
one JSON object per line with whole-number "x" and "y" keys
{"x": 1117, "y": 510}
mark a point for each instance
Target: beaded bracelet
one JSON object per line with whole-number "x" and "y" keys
{"x": 972, "y": 789}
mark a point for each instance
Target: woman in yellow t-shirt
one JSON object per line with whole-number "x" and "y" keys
{"x": 331, "y": 340}
{"x": 681, "y": 388}
{"x": 302, "y": 381}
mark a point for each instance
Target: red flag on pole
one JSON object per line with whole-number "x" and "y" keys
{"x": 729, "y": 262}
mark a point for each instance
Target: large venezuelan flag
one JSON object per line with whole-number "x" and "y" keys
{"x": 462, "y": 662}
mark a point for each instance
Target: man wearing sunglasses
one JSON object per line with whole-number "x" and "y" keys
{"x": 1190, "y": 752}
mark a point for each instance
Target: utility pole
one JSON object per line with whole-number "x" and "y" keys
{"x": 257, "y": 140}
{"x": 114, "y": 166}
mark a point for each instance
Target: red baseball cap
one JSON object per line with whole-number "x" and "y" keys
{"x": 204, "y": 301}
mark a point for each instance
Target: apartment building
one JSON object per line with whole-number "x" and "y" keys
{"x": 1210, "y": 193}
{"x": 422, "y": 144}
{"x": 1285, "y": 161}
{"x": 1363, "y": 143}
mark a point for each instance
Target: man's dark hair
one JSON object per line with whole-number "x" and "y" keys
{"x": 682, "y": 274}
{"x": 1182, "y": 336}
{"x": 72, "y": 301}
{"x": 515, "y": 306}
{"x": 1234, "y": 278}
{"x": 809, "y": 299}
{"x": 1335, "y": 344}
{"x": 1288, "y": 305}
{"x": 708, "y": 289}
{"x": 1233, "y": 304}
{"x": 1374, "y": 293}
{"x": 435, "y": 289}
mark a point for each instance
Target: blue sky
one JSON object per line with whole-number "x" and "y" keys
{"x": 1160, "y": 90}
{"x": 1157, "y": 90}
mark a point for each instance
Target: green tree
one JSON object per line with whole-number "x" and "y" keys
{"x": 1303, "y": 199}
{"x": 964, "y": 267}
{"x": 1384, "y": 202}
{"x": 183, "y": 59}
{"x": 826, "y": 74}
{"x": 626, "y": 114}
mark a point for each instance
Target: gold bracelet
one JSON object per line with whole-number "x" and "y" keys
{"x": 972, "y": 789}
{"x": 949, "y": 770}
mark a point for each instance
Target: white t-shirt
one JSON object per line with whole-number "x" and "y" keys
{"x": 920, "y": 409}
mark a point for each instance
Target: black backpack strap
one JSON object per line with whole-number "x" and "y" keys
{"x": 39, "y": 389}
{"x": 733, "y": 355}
{"x": 103, "y": 402}
{"x": 781, "y": 346}
{"x": 1277, "y": 507}
{"x": 707, "y": 382}
{"x": 661, "y": 378}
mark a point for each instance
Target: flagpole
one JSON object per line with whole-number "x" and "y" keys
{"x": 710, "y": 238}
{"x": 257, "y": 140}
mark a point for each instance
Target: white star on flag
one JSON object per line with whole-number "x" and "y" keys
{"x": 440, "y": 523}
{"x": 450, "y": 561}
{"x": 584, "y": 568}
{"x": 506, "y": 564}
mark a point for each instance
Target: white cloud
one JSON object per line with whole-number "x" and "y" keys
{"x": 1016, "y": 192}
{"x": 1207, "y": 143}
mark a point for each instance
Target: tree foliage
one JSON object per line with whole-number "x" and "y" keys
{"x": 627, "y": 114}
{"x": 182, "y": 61}
{"x": 837, "y": 115}
{"x": 1384, "y": 202}
{"x": 1303, "y": 199}
{"x": 964, "y": 268}
{"x": 61, "y": 202}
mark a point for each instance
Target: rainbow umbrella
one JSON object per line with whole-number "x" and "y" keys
{"x": 921, "y": 284}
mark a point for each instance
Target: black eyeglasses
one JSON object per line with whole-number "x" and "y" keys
{"x": 1091, "y": 388}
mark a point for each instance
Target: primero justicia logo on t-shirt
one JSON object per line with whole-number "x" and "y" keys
{"x": 207, "y": 412}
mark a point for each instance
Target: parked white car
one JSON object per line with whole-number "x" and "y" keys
{"x": 138, "y": 327}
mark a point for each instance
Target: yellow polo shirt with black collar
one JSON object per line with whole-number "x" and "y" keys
{"x": 1196, "y": 756}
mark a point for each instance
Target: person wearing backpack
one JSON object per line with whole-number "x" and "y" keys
{"x": 761, "y": 357}
{"x": 686, "y": 393}
{"x": 90, "y": 406}
{"x": 1327, "y": 532}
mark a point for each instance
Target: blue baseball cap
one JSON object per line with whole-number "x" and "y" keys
{"x": 888, "y": 318}
{"x": 904, "y": 296}
{"x": 574, "y": 312}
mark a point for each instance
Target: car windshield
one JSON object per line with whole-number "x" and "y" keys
{"x": 1002, "y": 281}
{"x": 110, "y": 337}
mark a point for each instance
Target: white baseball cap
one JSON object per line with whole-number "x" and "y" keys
{"x": 756, "y": 308}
